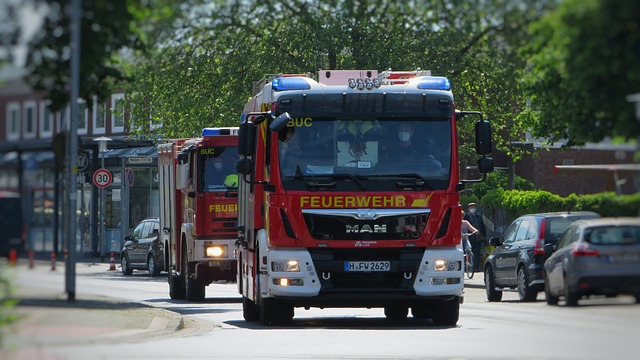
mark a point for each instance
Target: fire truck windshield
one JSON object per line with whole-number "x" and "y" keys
{"x": 379, "y": 152}
{"x": 216, "y": 165}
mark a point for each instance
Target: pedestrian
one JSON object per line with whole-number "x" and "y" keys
{"x": 477, "y": 240}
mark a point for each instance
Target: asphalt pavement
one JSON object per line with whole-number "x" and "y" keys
{"x": 48, "y": 318}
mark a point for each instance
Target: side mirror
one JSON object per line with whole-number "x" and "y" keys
{"x": 495, "y": 241}
{"x": 128, "y": 237}
{"x": 485, "y": 165}
{"x": 549, "y": 248}
{"x": 280, "y": 122}
{"x": 246, "y": 139}
{"x": 244, "y": 166}
{"x": 483, "y": 137}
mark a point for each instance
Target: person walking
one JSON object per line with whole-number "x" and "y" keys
{"x": 477, "y": 240}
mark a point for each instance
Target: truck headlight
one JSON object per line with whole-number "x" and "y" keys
{"x": 447, "y": 265}
{"x": 216, "y": 251}
{"x": 285, "y": 266}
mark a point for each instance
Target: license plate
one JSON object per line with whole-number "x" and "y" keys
{"x": 367, "y": 266}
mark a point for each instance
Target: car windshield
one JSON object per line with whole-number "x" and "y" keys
{"x": 405, "y": 153}
{"x": 217, "y": 164}
{"x": 614, "y": 235}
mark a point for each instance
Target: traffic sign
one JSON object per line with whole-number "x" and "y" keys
{"x": 102, "y": 178}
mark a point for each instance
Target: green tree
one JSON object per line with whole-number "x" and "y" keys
{"x": 111, "y": 31}
{"x": 584, "y": 59}
{"x": 203, "y": 76}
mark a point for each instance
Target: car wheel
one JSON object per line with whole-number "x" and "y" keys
{"x": 525, "y": 292}
{"x": 493, "y": 295}
{"x": 154, "y": 270}
{"x": 551, "y": 300}
{"x": 570, "y": 297}
{"x": 124, "y": 262}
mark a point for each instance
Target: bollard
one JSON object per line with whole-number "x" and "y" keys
{"x": 30, "y": 259}
{"x": 112, "y": 262}
{"x": 53, "y": 261}
{"x": 13, "y": 256}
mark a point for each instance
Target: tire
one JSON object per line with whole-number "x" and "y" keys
{"x": 273, "y": 312}
{"x": 250, "y": 310}
{"x": 396, "y": 313}
{"x": 551, "y": 299}
{"x": 447, "y": 313}
{"x": 124, "y": 262}
{"x": 194, "y": 289}
{"x": 469, "y": 265}
{"x": 421, "y": 313}
{"x": 525, "y": 292}
{"x": 493, "y": 295}
{"x": 637, "y": 296}
{"x": 154, "y": 270}
{"x": 176, "y": 286}
{"x": 570, "y": 297}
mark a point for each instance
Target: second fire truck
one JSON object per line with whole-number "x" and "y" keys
{"x": 198, "y": 210}
{"x": 349, "y": 195}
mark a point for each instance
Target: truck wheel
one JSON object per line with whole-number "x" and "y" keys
{"x": 154, "y": 270}
{"x": 396, "y": 313}
{"x": 176, "y": 286}
{"x": 193, "y": 288}
{"x": 447, "y": 312}
{"x": 126, "y": 268}
{"x": 490, "y": 286}
{"x": 249, "y": 310}
{"x": 421, "y": 313}
{"x": 525, "y": 292}
{"x": 273, "y": 312}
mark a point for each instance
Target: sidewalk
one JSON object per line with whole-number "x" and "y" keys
{"x": 46, "y": 318}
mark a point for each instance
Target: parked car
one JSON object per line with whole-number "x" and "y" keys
{"x": 595, "y": 257}
{"x": 143, "y": 249}
{"x": 516, "y": 262}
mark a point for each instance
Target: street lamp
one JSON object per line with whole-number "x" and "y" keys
{"x": 102, "y": 149}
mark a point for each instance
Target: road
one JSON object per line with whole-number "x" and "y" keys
{"x": 599, "y": 328}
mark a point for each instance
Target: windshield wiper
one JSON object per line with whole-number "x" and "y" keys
{"x": 413, "y": 181}
{"x": 328, "y": 180}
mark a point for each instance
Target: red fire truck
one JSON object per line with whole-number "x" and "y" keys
{"x": 349, "y": 195}
{"x": 198, "y": 210}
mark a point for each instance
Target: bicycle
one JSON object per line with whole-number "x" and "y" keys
{"x": 468, "y": 256}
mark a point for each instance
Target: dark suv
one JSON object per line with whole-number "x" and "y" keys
{"x": 517, "y": 261}
{"x": 143, "y": 249}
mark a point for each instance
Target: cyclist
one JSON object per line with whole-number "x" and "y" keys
{"x": 467, "y": 229}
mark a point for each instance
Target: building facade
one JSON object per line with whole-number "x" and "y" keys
{"x": 30, "y": 163}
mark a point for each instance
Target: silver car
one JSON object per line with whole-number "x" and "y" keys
{"x": 595, "y": 257}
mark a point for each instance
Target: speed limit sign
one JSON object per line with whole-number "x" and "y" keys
{"x": 102, "y": 178}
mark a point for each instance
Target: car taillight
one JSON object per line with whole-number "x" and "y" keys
{"x": 538, "y": 249}
{"x": 583, "y": 250}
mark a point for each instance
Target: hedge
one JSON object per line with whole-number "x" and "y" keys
{"x": 519, "y": 202}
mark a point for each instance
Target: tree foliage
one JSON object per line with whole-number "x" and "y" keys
{"x": 107, "y": 29}
{"x": 584, "y": 59}
{"x": 203, "y": 75}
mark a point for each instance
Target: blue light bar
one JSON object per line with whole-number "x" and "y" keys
{"x": 210, "y": 132}
{"x": 292, "y": 83}
{"x": 434, "y": 83}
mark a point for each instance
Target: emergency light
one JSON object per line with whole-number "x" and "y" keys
{"x": 434, "y": 83}
{"x": 219, "y": 131}
{"x": 291, "y": 83}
